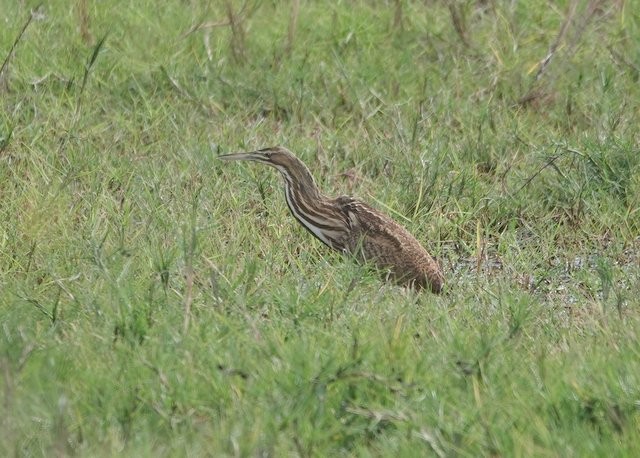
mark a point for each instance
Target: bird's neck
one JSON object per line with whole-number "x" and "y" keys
{"x": 302, "y": 187}
{"x": 314, "y": 210}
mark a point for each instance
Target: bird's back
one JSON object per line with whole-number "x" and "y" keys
{"x": 374, "y": 237}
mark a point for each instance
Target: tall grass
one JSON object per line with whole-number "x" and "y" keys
{"x": 157, "y": 301}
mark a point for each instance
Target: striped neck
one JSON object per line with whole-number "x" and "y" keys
{"x": 311, "y": 208}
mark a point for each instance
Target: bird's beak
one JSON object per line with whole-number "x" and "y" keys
{"x": 252, "y": 156}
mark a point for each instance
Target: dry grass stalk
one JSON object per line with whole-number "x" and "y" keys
{"x": 293, "y": 25}
{"x": 459, "y": 22}
{"x": 238, "y": 32}
{"x": 580, "y": 24}
{"x": 84, "y": 21}
{"x": 397, "y": 16}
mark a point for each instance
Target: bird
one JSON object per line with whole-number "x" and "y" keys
{"x": 349, "y": 225}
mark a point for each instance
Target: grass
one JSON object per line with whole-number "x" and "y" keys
{"x": 156, "y": 301}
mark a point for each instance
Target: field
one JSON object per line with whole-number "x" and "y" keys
{"x": 156, "y": 301}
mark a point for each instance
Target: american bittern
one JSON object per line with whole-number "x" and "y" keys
{"x": 349, "y": 225}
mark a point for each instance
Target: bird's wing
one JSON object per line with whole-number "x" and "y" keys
{"x": 369, "y": 226}
{"x": 361, "y": 214}
{"x": 375, "y": 237}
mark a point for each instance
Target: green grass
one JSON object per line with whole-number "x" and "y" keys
{"x": 157, "y": 302}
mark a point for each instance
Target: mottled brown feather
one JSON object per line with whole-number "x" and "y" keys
{"x": 351, "y": 226}
{"x": 376, "y": 238}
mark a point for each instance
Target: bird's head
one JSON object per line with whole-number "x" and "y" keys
{"x": 278, "y": 157}
{"x": 275, "y": 156}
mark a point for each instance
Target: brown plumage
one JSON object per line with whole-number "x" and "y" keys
{"x": 349, "y": 225}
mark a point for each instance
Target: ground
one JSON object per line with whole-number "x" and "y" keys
{"x": 157, "y": 301}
